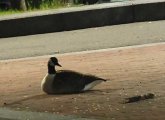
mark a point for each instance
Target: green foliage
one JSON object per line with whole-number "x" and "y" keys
{"x": 33, "y": 5}
{"x": 9, "y": 12}
{"x": 45, "y": 4}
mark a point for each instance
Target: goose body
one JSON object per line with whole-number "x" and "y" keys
{"x": 67, "y": 81}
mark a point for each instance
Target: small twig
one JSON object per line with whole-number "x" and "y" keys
{"x": 139, "y": 98}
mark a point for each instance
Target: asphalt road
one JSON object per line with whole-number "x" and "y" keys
{"x": 82, "y": 40}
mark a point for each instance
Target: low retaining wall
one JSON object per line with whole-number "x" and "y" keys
{"x": 81, "y": 17}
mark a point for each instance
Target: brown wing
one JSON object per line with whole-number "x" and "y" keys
{"x": 68, "y": 81}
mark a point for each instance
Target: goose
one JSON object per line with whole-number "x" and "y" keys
{"x": 67, "y": 81}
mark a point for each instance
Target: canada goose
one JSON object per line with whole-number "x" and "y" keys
{"x": 66, "y": 81}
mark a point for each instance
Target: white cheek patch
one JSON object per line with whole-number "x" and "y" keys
{"x": 51, "y": 63}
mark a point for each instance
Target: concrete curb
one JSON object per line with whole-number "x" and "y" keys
{"x": 87, "y": 52}
{"x": 82, "y": 17}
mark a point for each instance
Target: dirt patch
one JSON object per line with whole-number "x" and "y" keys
{"x": 130, "y": 72}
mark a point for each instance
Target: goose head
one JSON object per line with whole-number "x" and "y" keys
{"x": 53, "y": 61}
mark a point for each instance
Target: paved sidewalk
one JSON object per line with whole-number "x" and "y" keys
{"x": 131, "y": 71}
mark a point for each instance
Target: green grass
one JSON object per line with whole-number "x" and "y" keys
{"x": 53, "y": 5}
{"x": 9, "y": 12}
{"x": 44, "y": 6}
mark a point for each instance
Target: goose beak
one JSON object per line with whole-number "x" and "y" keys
{"x": 58, "y": 65}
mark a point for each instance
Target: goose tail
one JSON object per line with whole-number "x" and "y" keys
{"x": 102, "y": 79}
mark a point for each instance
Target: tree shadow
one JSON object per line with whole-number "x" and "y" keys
{"x": 43, "y": 96}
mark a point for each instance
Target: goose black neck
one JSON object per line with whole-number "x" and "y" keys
{"x": 51, "y": 69}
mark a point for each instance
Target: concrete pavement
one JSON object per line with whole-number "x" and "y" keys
{"x": 82, "y": 40}
{"x": 143, "y": 74}
{"x": 8, "y": 114}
